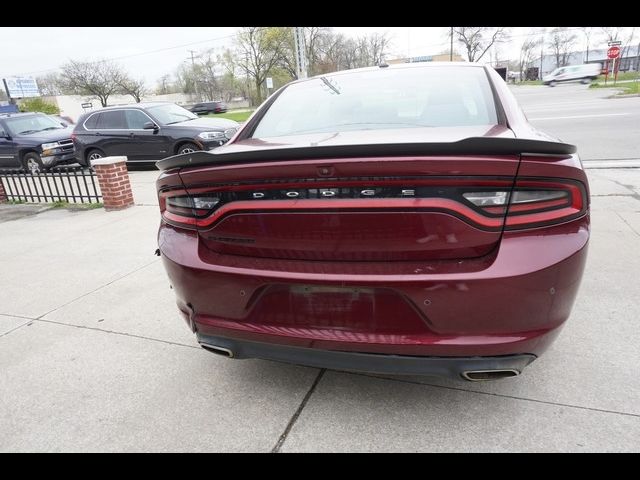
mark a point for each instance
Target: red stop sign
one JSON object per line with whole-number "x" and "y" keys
{"x": 613, "y": 52}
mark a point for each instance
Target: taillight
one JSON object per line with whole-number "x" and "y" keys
{"x": 488, "y": 204}
{"x": 533, "y": 203}
{"x": 184, "y": 210}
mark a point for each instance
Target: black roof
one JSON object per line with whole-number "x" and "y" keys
{"x": 141, "y": 105}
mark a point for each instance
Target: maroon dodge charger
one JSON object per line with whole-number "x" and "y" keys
{"x": 401, "y": 219}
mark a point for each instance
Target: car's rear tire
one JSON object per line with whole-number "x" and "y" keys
{"x": 585, "y": 81}
{"x": 32, "y": 163}
{"x": 187, "y": 148}
{"x": 94, "y": 154}
{"x": 553, "y": 83}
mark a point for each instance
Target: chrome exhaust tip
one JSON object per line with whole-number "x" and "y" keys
{"x": 225, "y": 352}
{"x": 484, "y": 375}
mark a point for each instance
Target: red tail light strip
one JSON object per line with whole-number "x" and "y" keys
{"x": 432, "y": 204}
{"x": 519, "y": 216}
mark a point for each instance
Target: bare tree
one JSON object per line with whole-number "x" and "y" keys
{"x": 561, "y": 43}
{"x": 233, "y": 83}
{"x": 136, "y": 88}
{"x": 99, "y": 79}
{"x": 185, "y": 82}
{"x": 165, "y": 85}
{"x": 612, "y": 33}
{"x": 328, "y": 52}
{"x": 205, "y": 75}
{"x": 527, "y": 52}
{"x": 478, "y": 40}
{"x": 588, "y": 32}
{"x": 259, "y": 49}
{"x": 627, "y": 44}
{"x": 49, "y": 85}
{"x": 374, "y": 48}
{"x": 315, "y": 37}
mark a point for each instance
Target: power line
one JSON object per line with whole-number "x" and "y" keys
{"x": 149, "y": 52}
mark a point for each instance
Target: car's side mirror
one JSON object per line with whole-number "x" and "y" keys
{"x": 150, "y": 126}
{"x": 4, "y": 134}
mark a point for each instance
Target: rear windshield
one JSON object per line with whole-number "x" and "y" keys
{"x": 379, "y": 99}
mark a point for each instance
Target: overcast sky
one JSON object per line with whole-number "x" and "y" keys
{"x": 150, "y": 52}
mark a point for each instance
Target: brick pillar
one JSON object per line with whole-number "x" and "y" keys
{"x": 114, "y": 182}
{"x": 3, "y": 195}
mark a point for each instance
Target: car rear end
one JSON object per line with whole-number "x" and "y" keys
{"x": 452, "y": 250}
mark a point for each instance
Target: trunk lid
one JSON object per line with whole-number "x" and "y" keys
{"x": 350, "y": 196}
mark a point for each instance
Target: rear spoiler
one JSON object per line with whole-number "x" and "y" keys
{"x": 468, "y": 146}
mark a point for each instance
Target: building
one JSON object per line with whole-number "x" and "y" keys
{"x": 443, "y": 57}
{"x": 629, "y": 59}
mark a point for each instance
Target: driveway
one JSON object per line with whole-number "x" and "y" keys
{"x": 94, "y": 357}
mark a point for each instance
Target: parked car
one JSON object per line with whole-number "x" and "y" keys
{"x": 209, "y": 107}
{"x": 402, "y": 220}
{"x": 147, "y": 132}
{"x": 574, "y": 73}
{"x": 34, "y": 141}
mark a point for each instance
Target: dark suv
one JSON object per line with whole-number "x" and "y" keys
{"x": 209, "y": 107}
{"x": 146, "y": 132}
{"x": 34, "y": 141}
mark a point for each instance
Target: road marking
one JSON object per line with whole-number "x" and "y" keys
{"x": 613, "y": 163}
{"x": 580, "y": 116}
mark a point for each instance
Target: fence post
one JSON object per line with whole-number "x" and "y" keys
{"x": 114, "y": 182}
{"x": 3, "y": 194}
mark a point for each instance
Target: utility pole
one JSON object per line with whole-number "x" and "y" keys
{"x": 451, "y": 49}
{"x": 301, "y": 52}
{"x": 193, "y": 70}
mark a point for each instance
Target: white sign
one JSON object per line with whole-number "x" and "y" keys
{"x": 22, "y": 87}
{"x": 269, "y": 82}
{"x": 614, "y": 43}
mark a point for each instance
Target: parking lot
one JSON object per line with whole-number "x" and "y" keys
{"x": 96, "y": 358}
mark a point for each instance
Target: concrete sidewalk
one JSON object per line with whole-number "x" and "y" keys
{"x": 94, "y": 357}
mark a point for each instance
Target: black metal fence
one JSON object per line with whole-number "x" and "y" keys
{"x": 62, "y": 184}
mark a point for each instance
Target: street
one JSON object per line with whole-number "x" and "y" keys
{"x": 98, "y": 359}
{"x": 602, "y": 128}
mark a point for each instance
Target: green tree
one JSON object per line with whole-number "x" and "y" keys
{"x": 258, "y": 51}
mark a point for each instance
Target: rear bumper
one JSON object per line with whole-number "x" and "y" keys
{"x": 452, "y": 367}
{"x": 513, "y": 301}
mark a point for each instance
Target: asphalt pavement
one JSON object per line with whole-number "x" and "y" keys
{"x": 94, "y": 356}
{"x": 603, "y": 128}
